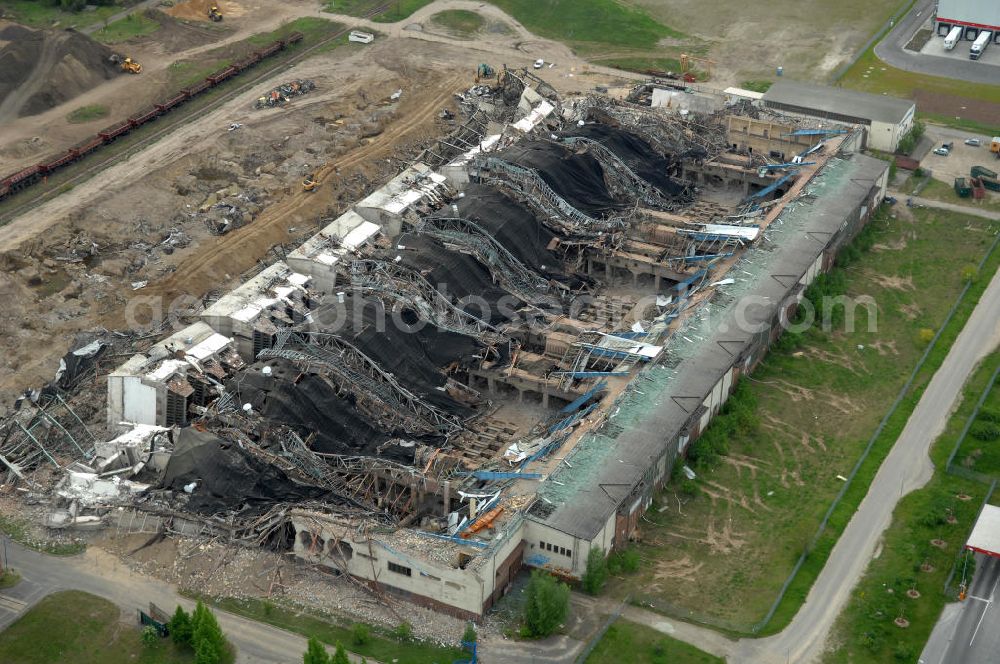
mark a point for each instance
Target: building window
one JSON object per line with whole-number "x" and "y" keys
{"x": 399, "y": 569}
{"x": 541, "y": 545}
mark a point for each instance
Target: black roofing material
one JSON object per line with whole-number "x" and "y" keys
{"x": 577, "y": 177}
{"x": 310, "y": 404}
{"x": 635, "y": 152}
{"x": 511, "y": 224}
{"x": 459, "y": 276}
{"x": 227, "y": 477}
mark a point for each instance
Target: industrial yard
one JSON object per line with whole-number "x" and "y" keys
{"x": 305, "y": 320}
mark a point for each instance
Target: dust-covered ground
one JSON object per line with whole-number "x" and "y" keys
{"x": 75, "y": 261}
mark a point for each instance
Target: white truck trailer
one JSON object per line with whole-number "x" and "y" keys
{"x": 954, "y": 35}
{"x": 979, "y": 46}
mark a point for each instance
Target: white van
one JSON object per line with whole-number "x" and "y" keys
{"x": 953, "y": 36}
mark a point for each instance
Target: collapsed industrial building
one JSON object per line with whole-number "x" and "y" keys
{"x": 492, "y": 362}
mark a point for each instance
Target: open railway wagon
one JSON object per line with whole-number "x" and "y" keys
{"x": 15, "y": 182}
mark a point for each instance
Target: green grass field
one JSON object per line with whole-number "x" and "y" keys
{"x": 744, "y": 522}
{"x": 638, "y": 644}
{"x": 87, "y": 114}
{"x": 865, "y": 630}
{"x": 381, "y": 646}
{"x": 980, "y": 450}
{"x": 459, "y": 22}
{"x": 46, "y": 15}
{"x": 132, "y": 26}
{"x": 79, "y": 628}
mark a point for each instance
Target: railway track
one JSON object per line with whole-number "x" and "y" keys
{"x": 31, "y": 198}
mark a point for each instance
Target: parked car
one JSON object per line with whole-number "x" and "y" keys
{"x": 944, "y": 150}
{"x": 539, "y": 63}
{"x": 974, "y": 142}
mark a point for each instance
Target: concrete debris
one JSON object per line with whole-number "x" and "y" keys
{"x": 282, "y": 94}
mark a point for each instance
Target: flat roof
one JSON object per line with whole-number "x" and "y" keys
{"x": 985, "y": 537}
{"x": 839, "y": 101}
{"x": 605, "y": 466}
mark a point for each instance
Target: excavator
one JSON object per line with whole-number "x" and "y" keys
{"x": 214, "y": 14}
{"x": 484, "y": 71}
{"x": 310, "y": 182}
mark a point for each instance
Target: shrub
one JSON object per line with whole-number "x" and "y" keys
{"x": 340, "y": 656}
{"x": 150, "y": 637}
{"x": 469, "y": 635}
{"x": 597, "y": 572}
{"x": 546, "y": 606}
{"x": 315, "y": 653}
{"x": 970, "y": 272}
{"x": 985, "y": 431}
{"x": 360, "y": 634}
{"x": 926, "y": 335}
{"x": 404, "y": 632}
{"x": 988, "y": 415}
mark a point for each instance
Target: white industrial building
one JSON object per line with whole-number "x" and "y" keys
{"x": 886, "y": 119}
{"x": 253, "y": 313}
{"x": 160, "y": 386}
{"x": 326, "y": 256}
{"x": 973, "y": 16}
{"x": 416, "y": 188}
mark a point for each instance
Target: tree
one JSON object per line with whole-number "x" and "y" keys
{"x": 315, "y": 653}
{"x": 597, "y": 572}
{"x": 547, "y": 604}
{"x": 180, "y": 628}
{"x": 469, "y": 636}
{"x": 340, "y": 656}
{"x": 209, "y": 642}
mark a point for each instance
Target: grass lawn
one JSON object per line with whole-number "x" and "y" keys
{"x": 83, "y": 629}
{"x": 980, "y": 450}
{"x": 762, "y": 85}
{"x": 9, "y": 579}
{"x": 865, "y": 630}
{"x": 133, "y": 25}
{"x": 397, "y": 11}
{"x": 718, "y": 549}
{"x": 87, "y": 114}
{"x": 45, "y": 14}
{"x": 645, "y": 645}
{"x": 381, "y": 646}
{"x": 459, "y": 22}
{"x": 942, "y": 191}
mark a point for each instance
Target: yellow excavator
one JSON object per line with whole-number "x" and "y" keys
{"x": 310, "y": 182}
{"x": 214, "y": 14}
{"x": 131, "y": 66}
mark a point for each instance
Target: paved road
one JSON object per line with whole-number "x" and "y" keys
{"x": 890, "y": 50}
{"x": 906, "y": 468}
{"x": 976, "y": 212}
{"x": 969, "y": 633}
{"x": 101, "y": 574}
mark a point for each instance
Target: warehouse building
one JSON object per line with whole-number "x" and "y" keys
{"x": 886, "y": 119}
{"x": 973, "y": 16}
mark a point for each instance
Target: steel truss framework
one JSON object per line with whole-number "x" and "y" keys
{"x": 462, "y": 139}
{"x": 50, "y": 432}
{"x": 527, "y": 185}
{"x": 622, "y": 179}
{"x": 377, "y": 393}
{"x": 388, "y": 280}
{"x": 472, "y": 238}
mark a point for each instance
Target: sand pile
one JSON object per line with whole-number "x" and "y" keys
{"x": 40, "y": 69}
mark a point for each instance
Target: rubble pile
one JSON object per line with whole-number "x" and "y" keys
{"x": 230, "y": 208}
{"x": 284, "y": 92}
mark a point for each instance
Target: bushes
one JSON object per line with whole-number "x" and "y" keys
{"x": 200, "y": 632}
{"x": 597, "y": 572}
{"x": 738, "y": 418}
{"x": 985, "y": 431}
{"x": 360, "y": 634}
{"x": 624, "y": 561}
{"x": 546, "y": 607}
{"x": 403, "y": 632}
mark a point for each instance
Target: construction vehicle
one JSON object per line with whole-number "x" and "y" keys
{"x": 995, "y": 146}
{"x": 214, "y": 14}
{"x": 485, "y": 71}
{"x": 131, "y": 66}
{"x": 310, "y": 182}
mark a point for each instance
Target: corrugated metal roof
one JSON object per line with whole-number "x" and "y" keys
{"x": 840, "y": 101}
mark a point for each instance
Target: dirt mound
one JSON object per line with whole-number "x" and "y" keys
{"x": 197, "y": 10}
{"x": 40, "y": 69}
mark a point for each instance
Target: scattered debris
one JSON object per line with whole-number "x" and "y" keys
{"x": 283, "y": 93}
